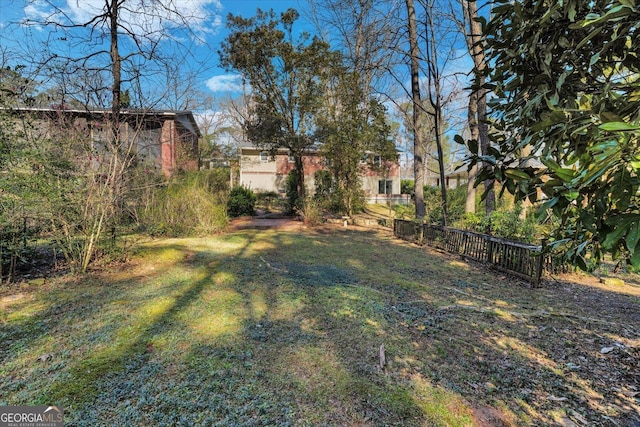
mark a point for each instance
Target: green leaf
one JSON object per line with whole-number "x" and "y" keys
{"x": 565, "y": 174}
{"x": 618, "y": 127}
{"x": 473, "y": 146}
{"x": 572, "y": 195}
{"x": 635, "y": 261}
{"x": 572, "y": 11}
{"x": 516, "y": 174}
{"x": 633, "y": 236}
{"x": 619, "y": 230}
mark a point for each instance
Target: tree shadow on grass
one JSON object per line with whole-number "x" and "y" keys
{"x": 286, "y": 329}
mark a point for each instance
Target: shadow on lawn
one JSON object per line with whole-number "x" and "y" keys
{"x": 286, "y": 329}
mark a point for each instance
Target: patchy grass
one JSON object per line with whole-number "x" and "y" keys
{"x": 282, "y": 328}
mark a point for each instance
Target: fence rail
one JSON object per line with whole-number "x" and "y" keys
{"x": 520, "y": 259}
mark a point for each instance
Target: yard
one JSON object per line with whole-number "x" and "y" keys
{"x": 276, "y": 327}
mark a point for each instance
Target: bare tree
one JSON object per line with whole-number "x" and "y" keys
{"x": 366, "y": 32}
{"x": 434, "y": 82}
{"x": 91, "y": 56}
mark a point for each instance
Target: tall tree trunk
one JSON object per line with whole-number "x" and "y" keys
{"x": 419, "y": 153}
{"x": 116, "y": 70}
{"x": 472, "y": 121}
{"x": 473, "y": 38}
{"x": 435, "y": 97}
{"x": 300, "y": 186}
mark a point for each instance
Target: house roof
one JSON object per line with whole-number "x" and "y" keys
{"x": 185, "y": 117}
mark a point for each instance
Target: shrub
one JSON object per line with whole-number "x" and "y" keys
{"x": 312, "y": 213}
{"x": 190, "y": 203}
{"x": 291, "y": 189}
{"x": 470, "y": 221}
{"x": 406, "y": 186}
{"x": 267, "y": 199}
{"x": 324, "y": 185}
{"x": 504, "y": 222}
{"x": 242, "y": 201}
{"x": 456, "y": 198}
{"x": 405, "y": 211}
{"x": 511, "y": 225}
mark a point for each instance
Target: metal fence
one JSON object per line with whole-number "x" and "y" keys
{"x": 517, "y": 258}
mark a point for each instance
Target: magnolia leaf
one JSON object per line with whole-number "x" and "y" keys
{"x": 633, "y": 236}
{"x": 618, "y": 127}
{"x": 607, "y": 116}
{"x": 613, "y": 237}
{"x": 565, "y": 174}
{"x": 635, "y": 260}
{"x": 572, "y": 195}
{"x": 516, "y": 174}
{"x": 572, "y": 12}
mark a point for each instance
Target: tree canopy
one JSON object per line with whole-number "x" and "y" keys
{"x": 566, "y": 119}
{"x": 284, "y": 73}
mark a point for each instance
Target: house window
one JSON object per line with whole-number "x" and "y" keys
{"x": 264, "y": 156}
{"x": 385, "y": 186}
{"x": 363, "y": 160}
{"x": 377, "y": 160}
{"x": 291, "y": 158}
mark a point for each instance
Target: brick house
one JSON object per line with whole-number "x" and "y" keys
{"x": 263, "y": 172}
{"x": 166, "y": 141}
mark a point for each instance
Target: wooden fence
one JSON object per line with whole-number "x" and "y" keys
{"x": 520, "y": 259}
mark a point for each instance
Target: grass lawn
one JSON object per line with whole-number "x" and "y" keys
{"x": 264, "y": 327}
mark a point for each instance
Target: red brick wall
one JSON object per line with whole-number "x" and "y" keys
{"x": 178, "y": 148}
{"x": 311, "y": 163}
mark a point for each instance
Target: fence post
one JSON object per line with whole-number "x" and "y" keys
{"x": 540, "y": 265}
{"x": 489, "y": 249}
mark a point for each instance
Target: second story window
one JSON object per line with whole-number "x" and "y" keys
{"x": 291, "y": 158}
{"x": 264, "y": 156}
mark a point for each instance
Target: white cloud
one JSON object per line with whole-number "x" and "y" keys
{"x": 139, "y": 16}
{"x": 225, "y": 83}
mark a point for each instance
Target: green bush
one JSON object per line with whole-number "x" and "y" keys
{"x": 324, "y": 185}
{"x": 291, "y": 190}
{"x": 511, "y": 225}
{"x": 267, "y": 200}
{"x": 456, "y": 198}
{"x": 406, "y": 186}
{"x": 242, "y": 201}
{"x": 504, "y": 222}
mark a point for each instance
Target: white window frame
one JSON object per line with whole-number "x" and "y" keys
{"x": 388, "y": 185}
{"x": 264, "y": 156}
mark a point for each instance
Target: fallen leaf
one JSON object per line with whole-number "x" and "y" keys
{"x": 576, "y": 416}
{"x": 45, "y": 357}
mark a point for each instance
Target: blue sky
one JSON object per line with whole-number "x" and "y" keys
{"x": 206, "y": 18}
